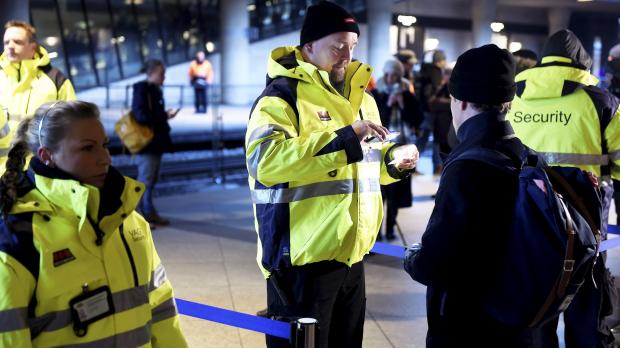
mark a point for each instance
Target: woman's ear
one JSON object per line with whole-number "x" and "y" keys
{"x": 45, "y": 155}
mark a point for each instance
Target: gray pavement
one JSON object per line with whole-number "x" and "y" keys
{"x": 209, "y": 252}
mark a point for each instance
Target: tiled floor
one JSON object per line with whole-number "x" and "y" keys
{"x": 209, "y": 252}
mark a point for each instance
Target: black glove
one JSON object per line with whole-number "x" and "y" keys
{"x": 410, "y": 254}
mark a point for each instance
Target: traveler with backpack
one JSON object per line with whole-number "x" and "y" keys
{"x": 466, "y": 234}
{"x": 559, "y": 112}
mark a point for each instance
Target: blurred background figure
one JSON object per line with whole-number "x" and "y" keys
{"x": 400, "y": 112}
{"x": 442, "y": 118}
{"x": 428, "y": 83}
{"x": 613, "y": 79}
{"x": 525, "y": 59}
{"x": 408, "y": 59}
{"x": 149, "y": 109}
{"x": 200, "y": 76}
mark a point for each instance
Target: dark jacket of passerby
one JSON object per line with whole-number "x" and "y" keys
{"x": 427, "y": 83}
{"x": 148, "y": 108}
{"x": 457, "y": 263}
{"x": 442, "y": 122}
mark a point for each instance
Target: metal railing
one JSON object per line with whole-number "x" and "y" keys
{"x": 179, "y": 95}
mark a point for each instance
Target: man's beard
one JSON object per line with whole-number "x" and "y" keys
{"x": 336, "y": 77}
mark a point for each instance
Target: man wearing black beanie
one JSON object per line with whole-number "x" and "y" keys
{"x": 463, "y": 242}
{"x": 317, "y": 156}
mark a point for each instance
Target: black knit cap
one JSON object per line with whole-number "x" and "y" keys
{"x": 326, "y": 18}
{"x": 484, "y": 75}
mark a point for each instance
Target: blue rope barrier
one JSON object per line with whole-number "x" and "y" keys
{"x": 232, "y": 318}
{"x": 389, "y": 250}
{"x": 282, "y": 329}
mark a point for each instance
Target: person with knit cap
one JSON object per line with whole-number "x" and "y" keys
{"x": 317, "y": 154}
{"x": 400, "y": 112}
{"x": 561, "y": 113}
{"x": 458, "y": 256}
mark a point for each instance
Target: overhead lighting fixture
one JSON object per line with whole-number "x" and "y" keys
{"x": 51, "y": 41}
{"x": 497, "y": 26}
{"x": 210, "y": 46}
{"x": 584, "y": 0}
{"x": 52, "y": 55}
{"x": 406, "y": 20}
{"x": 251, "y": 7}
{"x": 514, "y": 46}
{"x": 431, "y": 44}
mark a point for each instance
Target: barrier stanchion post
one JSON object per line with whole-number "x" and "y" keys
{"x": 304, "y": 332}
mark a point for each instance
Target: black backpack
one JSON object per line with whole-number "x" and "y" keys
{"x": 553, "y": 242}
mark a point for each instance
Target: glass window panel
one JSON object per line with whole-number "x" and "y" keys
{"x": 176, "y": 30}
{"x": 211, "y": 25}
{"x": 148, "y": 24}
{"x": 103, "y": 39}
{"x": 48, "y": 31}
{"x": 128, "y": 37}
{"x": 193, "y": 35}
{"x": 77, "y": 43}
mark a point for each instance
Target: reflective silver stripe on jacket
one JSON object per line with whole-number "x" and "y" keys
{"x": 287, "y": 195}
{"x": 13, "y": 319}
{"x": 134, "y": 338}
{"x": 575, "y": 158}
{"x": 320, "y": 189}
{"x": 615, "y": 155}
{"x": 123, "y": 300}
{"x": 5, "y": 130}
{"x": 164, "y": 310}
{"x": 259, "y": 133}
{"x": 369, "y": 185}
{"x": 372, "y": 155}
{"x": 158, "y": 277}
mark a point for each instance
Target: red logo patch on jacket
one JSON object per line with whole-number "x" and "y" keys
{"x": 324, "y": 115}
{"x": 62, "y": 256}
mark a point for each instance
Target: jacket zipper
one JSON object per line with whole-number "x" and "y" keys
{"x": 131, "y": 261}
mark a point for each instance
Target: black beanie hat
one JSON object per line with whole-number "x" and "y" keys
{"x": 326, "y": 18}
{"x": 484, "y": 75}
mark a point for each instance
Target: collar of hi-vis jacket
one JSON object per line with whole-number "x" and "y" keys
{"x": 51, "y": 190}
{"x": 288, "y": 62}
{"x": 26, "y": 70}
{"x": 553, "y": 78}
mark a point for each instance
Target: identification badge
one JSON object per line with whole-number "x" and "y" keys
{"x": 89, "y": 307}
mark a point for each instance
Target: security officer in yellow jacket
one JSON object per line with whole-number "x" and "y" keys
{"x": 560, "y": 113}
{"x": 27, "y": 80}
{"x": 78, "y": 266}
{"x": 315, "y": 188}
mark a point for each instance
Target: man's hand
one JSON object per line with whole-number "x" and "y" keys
{"x": 406, "y": 157}
{"x": 364, "y": 129}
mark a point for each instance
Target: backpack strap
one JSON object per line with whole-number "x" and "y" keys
{"x": 488, "y": 156}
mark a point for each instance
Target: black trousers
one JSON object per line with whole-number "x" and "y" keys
{"x": 200, "y": 98}
{"x": 328, "y": 291}
{"x": 584, "y": 325}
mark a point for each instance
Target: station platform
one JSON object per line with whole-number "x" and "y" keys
{"x": 209, "y": 252}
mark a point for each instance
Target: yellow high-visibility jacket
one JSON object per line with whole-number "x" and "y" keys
{"x": 24, "y": 87}
{"x": 49, "y": 251}
{"x": 559, "y": 112}
{"x": 315, "y": 189}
